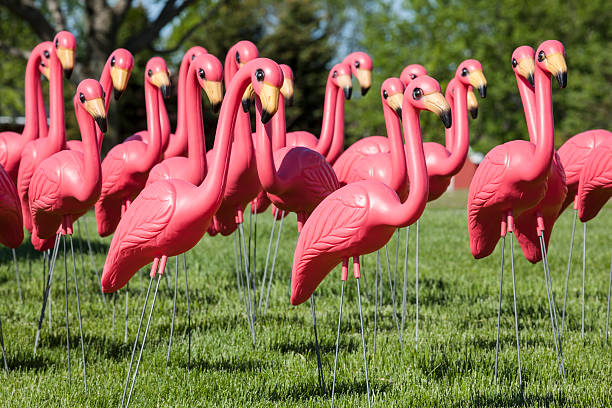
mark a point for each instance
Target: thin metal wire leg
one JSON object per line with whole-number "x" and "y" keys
{"x": 501, "y": 282}
{"x": 365, "y": 360}
{"x": 319, "y": 365}
{"x": 173, "y": 311}
{"x": 569, "y": 267}
{"x": 518, "y": 348}
{"x": 188, "y": 314}
{"x": 66, "y": 298}
{"x": 76, "y": 289}
{"x": 17, "y": 276}
{"x": 47, "y": 291}
{"x": 337, "y": 342}
{"x": 263, "y": 280}
{"x": 405, "y": 286}
{"x": 280, "y": 230}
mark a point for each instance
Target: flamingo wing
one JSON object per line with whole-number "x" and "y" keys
{"x": 330, "y": 234}
{"x": 595, "y": 186}
{"x": 137, "y": 239}
{"x": 11, "y": 221}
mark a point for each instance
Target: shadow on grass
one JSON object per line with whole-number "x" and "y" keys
{"x": 231, "y": 364}
{"x": 516, "y": 399}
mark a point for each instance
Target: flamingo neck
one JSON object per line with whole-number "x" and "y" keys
{"x": 329, "y": 112}
{"x": 57, "y": 129}
{"x": 230, "y": 67}
{"x": 196, "y": 150}
{"x": 337, "y": 145}
{"x": 529, "y": 106}
{"x": 179, "y": 140}
{"x": 107, "y": 85}
{"x": 43, "y": 127}
{"x": 153, "y": 148}
{"x": 264, "y": 156}
{"x": 279, "y": 126}
{"x": 33, "y": 98}
{"x": 449, "y": 133}
{"x": 92, "y": 172}
{"x": 413, "y": 207}
{"x": 164, "y": 122}
{"x": 460, "y": 132}
{"x": 396, "y": 145}
{"x": 542, "y": 159}
{"x": 210, "y": 192}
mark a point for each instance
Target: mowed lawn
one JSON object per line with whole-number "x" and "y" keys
{"x": 452, "y": 366}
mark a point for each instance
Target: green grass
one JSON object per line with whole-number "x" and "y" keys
{"x": 453, "y": 365}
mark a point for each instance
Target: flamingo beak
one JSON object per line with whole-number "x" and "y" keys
{"x": 345, "y": 82}
{"x": 557, "y": 66}
{"x": 95, "y": 108}
{"x": 395, "y": 103}
{"x": 364, "y": 76}
{"x": 436, "y": 103}
{"x": 214, "y": 91}
{"x": 526, "y": 68}
{"x": 66, "y": 57}
{"x": 247, "y": 98}
{"x": 472, "y": 104}
{"x": 478, "y": 81}
{"x": 120, "y": 79}
{"x": 268, "y": 96}
{"x": 287, "y": 91}
{"x": 45, "y": 71}
{"x": 161, "y": 80}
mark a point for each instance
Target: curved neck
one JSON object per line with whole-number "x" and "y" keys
{"x": 449, "y": 133}
{"x": 545, "y": 128}
{"x": 164, "y": 122}
{"x": 154, "y": 147}
{"x": 92, "y": 173}
{"x": 230, "y": 67}
{"x": 529, "y": 106}
{"x": 279, "y": 126}
{"x": 180, "y": 134}
{"x": 264, "y": 156}
{"x": 107, "y": 85}
{"x": 337, "y": 145}
{"x": 460, "y": 133}
{"x": 413, "y": 207}
{"x": 43, "y": 128}
{"x": 33, "y": 98}
{"x": 210, "y": 192}
{"x": 57, "y": 129}
{"x": 196, "y": 152}
{"x": 329, "y": 112}
{"x": 396, "y": 145}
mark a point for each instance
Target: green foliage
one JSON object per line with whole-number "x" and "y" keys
{"x": 440, "y": 34}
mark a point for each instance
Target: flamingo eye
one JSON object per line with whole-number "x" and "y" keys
{"x": 260, "y": 75}
{"x": 541, "y": 56}
{"x": 514, "y": 63}
{"x": 46, "y": 54}
{"x": 113, "y": 61}
{"x": 412, "y": 76}
{"x": 237, "y": 57}
{"x": 464, "y": 72}
{"x": 150, "y": 73}
{"x": 417, "y": 93}
{"x": 192, "y": 57}
{"x": 357, "y": 64}
{"x": 82, "y": 98}
{"x": 335, "y": 74}
{"x": 56, "y": 43}
{"x": 385, "y": 94}
{"x": 202, "y": 74}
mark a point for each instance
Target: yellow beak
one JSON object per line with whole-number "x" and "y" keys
{"x": 364, "y": 76}
{"x": 268, "y": 96}
{"x": 478, "y": 81}
{"x": 214, "y": 91}
{"x": 95, "y": 108}
{"x": 436, "y": 103}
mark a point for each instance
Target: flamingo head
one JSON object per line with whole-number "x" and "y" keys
{"x": 287, "y": 88}
{"x": 266, "y": 82}
{"x": 44, "y": 49}
{"x": 392, "y": 93}
{"x": 411, "y": 72}
{"x": 340, "y": 75}
{"x": 424, "y": 93}
{"x": 121, "y": 62}
{"x": 550, "y": 57}
{"x": 65, "y": 48}
{"x": 90, "y": 96}
{"x": 244, "y": 51}
{"x": 209, "y": 72}
{"x": 361, "y": 68}
{"x": 523, "y": 63}
{"x": 469, "y": 72}
{"x": 156, "y": 73}
{"x": 193, "y": 52}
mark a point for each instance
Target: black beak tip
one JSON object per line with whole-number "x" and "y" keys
{"x": 474, "y": 113}
{"x": 447, "y": 118}
{"x": 246, "y": 105}
{"x": 562, "y": 79}
{"x": 165, "y": 90}
{"x": 364, "y": 90}
{"x": 290, "y": 101}
{"x": 68, "y": 73}
{"x": 216, "y": 107}
{"x": 265, "y": 116}
{"x": 348, "y": 91}
{"x": 399, "y": 112}
{"x": 117, "y": 93}
{"x": 101, "y": 121}
{"x": 531, "y": 80}
{"x": 482, "y": 90}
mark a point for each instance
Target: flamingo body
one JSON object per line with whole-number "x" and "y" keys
{"x": 11, "y": 221}
{"x": 595, "y": 187}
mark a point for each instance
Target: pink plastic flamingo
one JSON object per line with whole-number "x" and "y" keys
{"x": 38, "y": 150}
{"x": 65, "y": 186}
{"x": 169, "y": 217}
{"x": 513, "y": 177}
{"x": 115, "y": 76}
{"x": 361, "y": 217}
{"x": 192, "y": 168}
{"x": 126, "y": 167}
{"x": 12, "y": 143}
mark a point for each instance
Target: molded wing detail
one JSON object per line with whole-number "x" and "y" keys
{"x": 595, "y": 187}
{"x": 11, "y": 221}
{"x": 112, "y": 167}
